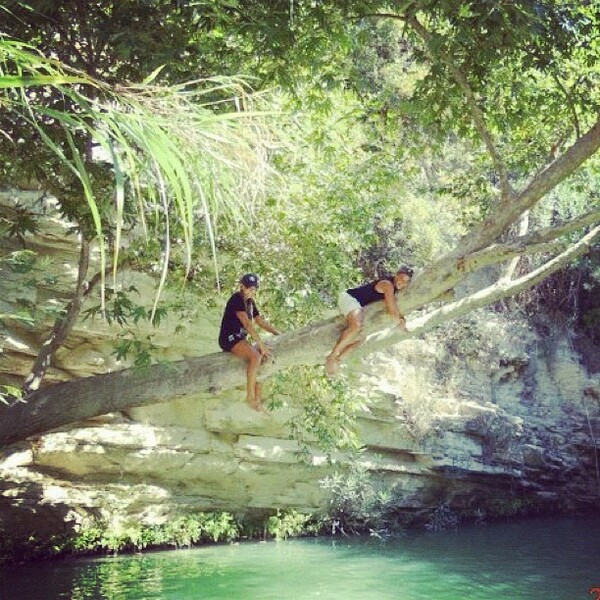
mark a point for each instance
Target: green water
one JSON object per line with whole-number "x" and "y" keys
{"x": 538, "y": 559}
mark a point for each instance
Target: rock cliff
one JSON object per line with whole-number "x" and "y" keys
{"x": 484, "y": 414}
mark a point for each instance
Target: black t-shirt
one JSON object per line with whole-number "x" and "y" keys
{"x": 232, "y": 330}
{"x": 366, "y": 294}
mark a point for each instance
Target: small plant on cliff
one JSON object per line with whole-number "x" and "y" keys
{"x": 218, "y": 527}
{"x": 359, "y": 505}
{"x": 184, "y": 530}
{"x": 507, "y": 508}
{"x": 443, "y": 518}
{"x": 290, "y": 523}
{"x": 327, "y": 408}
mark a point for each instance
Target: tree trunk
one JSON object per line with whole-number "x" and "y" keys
{"x": 74, "y": 401}
{"x": 81, "y": 399}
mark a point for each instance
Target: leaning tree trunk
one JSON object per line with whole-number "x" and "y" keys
{"x": 73, "y": 401}
{"x": 80, "y": 399}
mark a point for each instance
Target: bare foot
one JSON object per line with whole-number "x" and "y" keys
{"x": 332, "y": 366}
{"x": 256, "y": 405}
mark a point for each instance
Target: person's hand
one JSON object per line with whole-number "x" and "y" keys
{"x": 264, "y": 349}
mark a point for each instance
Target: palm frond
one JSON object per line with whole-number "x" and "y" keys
{"x": 171, "y": 148}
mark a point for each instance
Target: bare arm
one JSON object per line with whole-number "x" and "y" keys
{"x": 266, "y": 325}
{"x": 387, "y": 289}
{"x": 249, "y": 327}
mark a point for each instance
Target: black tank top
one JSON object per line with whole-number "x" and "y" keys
{"x": 366, "y": 294}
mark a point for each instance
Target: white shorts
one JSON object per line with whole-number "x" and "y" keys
{"x": 347, "y": 303}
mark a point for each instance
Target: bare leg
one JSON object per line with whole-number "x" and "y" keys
{"x": 346, "y": 341}
{"x": 257, "y": 395}
{"x": 252, "y": 357}
{"x": 351, "y": 346}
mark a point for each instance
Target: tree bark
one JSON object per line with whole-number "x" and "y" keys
{"x": 522, "y": 228}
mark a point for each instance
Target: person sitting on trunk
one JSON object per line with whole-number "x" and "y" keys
{"x": 239, "y": 319}
{"x": 351, "y": 303}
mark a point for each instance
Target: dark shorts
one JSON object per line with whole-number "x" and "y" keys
{"x": 230, "y": 341}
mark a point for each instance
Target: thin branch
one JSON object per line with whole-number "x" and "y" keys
{"x": 484, "y": 297}
{"x": 62, "y": 327}
{"x": 123, "y": 261}
{"x": 569, "y": 102}
{"x": 555, "y": 231}
{"x": 542, "y": 240}
{"x": 476, "y": 112}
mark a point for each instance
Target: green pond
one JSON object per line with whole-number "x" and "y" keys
{"x": 556, "y": 558}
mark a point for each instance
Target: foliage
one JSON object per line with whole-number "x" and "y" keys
{"x": 9, "y": 393}
{"x": 530, "y": 63}
{"x": 126, "y": 40}
{"x": 327, "y": 408}
{"x": 179, "y": 531}
{"x": 354, "y": 157}
{"x": 184, "y": 530}
{"x": 20, "y": 261}
{"x": 136, "y": 349}
{"x": 340, "y": 214}
{"x": 403, "y": 96}
{"x": 504, "y": 508}
{"x": 359, "y": 505}
{"x": 287, "y": 524}
{"x": 442, "y": 518}
{"x": 21, "y": 271}
{"x": 162, "y": 146}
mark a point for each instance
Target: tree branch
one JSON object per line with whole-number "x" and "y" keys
{"x": 542, "y": 240}
{"x": 493, "y": 293}
{"x": 468, "y": 256}
{"x": 62, "y": 327}
{"x": 476, "y": 112}
{"x": 506, "y": 214}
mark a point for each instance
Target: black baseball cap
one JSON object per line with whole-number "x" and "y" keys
{"x": 249, "y": 280}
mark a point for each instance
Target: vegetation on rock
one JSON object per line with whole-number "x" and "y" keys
{"x": 461, "y": 137}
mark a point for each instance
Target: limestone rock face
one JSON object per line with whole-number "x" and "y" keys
{"x": 481, "y": 414}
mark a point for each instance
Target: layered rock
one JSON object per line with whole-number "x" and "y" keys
{"x": 483, "y": 414}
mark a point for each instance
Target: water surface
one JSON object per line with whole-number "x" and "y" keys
{"x": 536, "y": 559}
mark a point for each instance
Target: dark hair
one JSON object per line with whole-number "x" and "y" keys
{"x": 405, "y": 270}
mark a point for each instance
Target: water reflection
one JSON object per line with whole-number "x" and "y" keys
{"x": 546, "y": 558}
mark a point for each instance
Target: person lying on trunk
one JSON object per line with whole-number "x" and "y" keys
{"x": 240, "y": 318}
{"x": 351, "y": 303}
